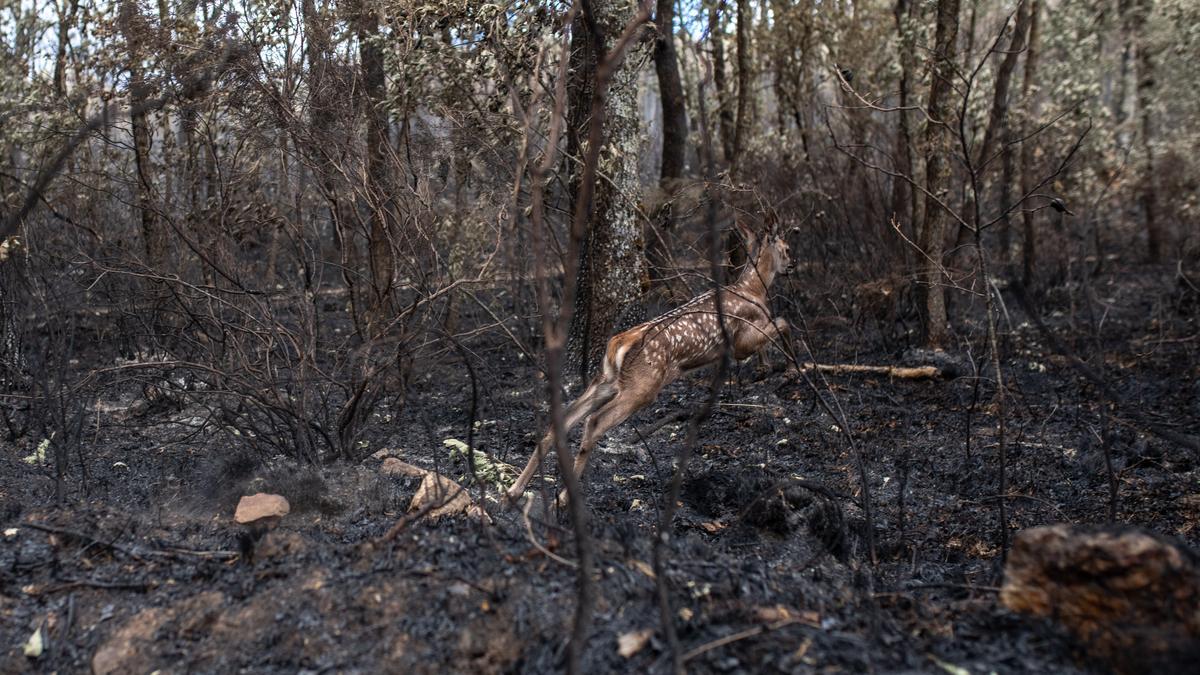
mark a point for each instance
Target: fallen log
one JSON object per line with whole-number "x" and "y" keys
{"x": 899, "y": 372}
{"x": 1131, "y": 597}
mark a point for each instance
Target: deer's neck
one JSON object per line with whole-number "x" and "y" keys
{"x": 756, "y": 279}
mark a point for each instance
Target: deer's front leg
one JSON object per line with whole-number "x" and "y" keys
{"x": 755, "y": 335}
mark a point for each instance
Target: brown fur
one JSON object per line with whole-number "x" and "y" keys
{"x": 639, "y": 362}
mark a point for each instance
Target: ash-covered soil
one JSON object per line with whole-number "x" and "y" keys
{"x": 143, "y": 570}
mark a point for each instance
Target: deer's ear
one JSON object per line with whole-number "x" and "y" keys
{"x": 748, "y": 238}
{"x": 771, "y": 219}
{"x": 747, "y": 235}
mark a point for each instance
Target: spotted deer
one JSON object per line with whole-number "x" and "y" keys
{"x": 639, "y": 362}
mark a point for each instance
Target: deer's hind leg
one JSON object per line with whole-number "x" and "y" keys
{"x": 596, "y": 395}
{"x": 629, "y": 399}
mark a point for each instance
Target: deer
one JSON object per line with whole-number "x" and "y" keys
{"x": 640, "y": 361}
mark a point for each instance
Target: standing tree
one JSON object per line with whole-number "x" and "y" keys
{"x": 932, "y": 234}
{"x": 902, "y": 197}
{"x": 670, "y": 86}
{"x": 741, "y": 130}
{"x": 1028, "y": 179}
{"x": 612, "y": 268}
{"x": 135, "y": 32}
{"x": 716, "y": 35}
{"x": 1144, "y": 69}
{"x": 674, "y": 113}
{"x": 379, "y": 189}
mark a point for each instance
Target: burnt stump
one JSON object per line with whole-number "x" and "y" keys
{"x": 1131, "y": 597}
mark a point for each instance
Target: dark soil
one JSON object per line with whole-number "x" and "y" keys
{"x": 144, "y": 568}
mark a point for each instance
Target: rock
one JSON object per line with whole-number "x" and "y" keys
{"x": 394, "y": 467}
{"x": 450, "y": 497}
{"x": 259, "y": 506}
{"x": 198, "y": 613}
{"x": 280, "y": 544}
{"x": 130, "y": 649}
{"x": 1130, "y": 596}
{"x": 632, "y": 642}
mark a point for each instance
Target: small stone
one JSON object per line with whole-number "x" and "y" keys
{"x": 631, "y": 643}
{"x": 259, "y": 506}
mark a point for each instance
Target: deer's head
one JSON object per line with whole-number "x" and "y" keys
{"x": 769, "y": 253}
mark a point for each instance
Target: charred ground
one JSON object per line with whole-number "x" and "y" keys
{"x": 144, "y": 570}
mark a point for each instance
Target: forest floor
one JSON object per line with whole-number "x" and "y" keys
{"x": 145, "y": 570}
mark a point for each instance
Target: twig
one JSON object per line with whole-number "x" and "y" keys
{"x": 537, "y": 544}
{"x": 740, "y": 635}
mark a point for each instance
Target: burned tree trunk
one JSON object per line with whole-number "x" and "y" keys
{"x": 154, "y": 238}
{"x": 379, "y": 190}
{"x": 902, "y": 197}
{"x": 997, "y": 125}
{"x": 1128, "y": 595}
{"x": 741, "y": 130}
{"x": 1148, "y": 197}
{"x": 612, "y": 267}
{"x": 1029, "y": 235}
{"x": 716, "y": 35}
{"x": 670, "y": 87}
{"x": 932, "y": 235}
{"x": 998, "y": 122}
{"x": 666, "y": 66}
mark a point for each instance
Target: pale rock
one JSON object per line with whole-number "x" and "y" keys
{"x": 259, "y": 506}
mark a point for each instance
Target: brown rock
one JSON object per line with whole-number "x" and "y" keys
{"x": 198, "y": 613}
{"x": 130, "y": 649}
{"x": 259, "y": 506}
{"x": 449, "y": 497}
{"x": 394, "y": 467}
{"x": 280, "y": 544}
{"x": 1130, "y": 596}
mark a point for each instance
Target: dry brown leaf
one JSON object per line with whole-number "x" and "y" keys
{"x": 643, "y": 567}
{"x": 631, "y": 643}
{"x": 779, "y": 613}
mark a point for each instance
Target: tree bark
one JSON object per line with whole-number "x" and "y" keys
{"x": 937, "y": 172}
{"x": 716, "y": 35}
{"x": 741, "y": 131}
{"x": 1029, "y": 235}
{"x": 670, "y": 86}
{"x": 379, "y": 190}
{"x": 612, "y": 269}
{"x": 154, "y": 238}
{"x": 902, "y": 198}
{"x": 1148, "y": 198}
{"x": 1129, "y": 595}
{"x": 675, "y": 131}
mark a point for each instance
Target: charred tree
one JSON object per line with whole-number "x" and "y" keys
{"x": 612, "y": 266}
{"x": 902, "y": 197}
{"x": 154, "y": 238}
{"x": 998, "y": 124}
{"x": 1028, "y": 179}
{"x": 675, "y": 131}
{"x": 741, "y": 130}
{"x": 716, "y": 35}
{"x": 937, "y": 173}
{"x": 670, "y": 85}
{"x": 1144, "y": 72}
{"x": 379, "y": 190}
